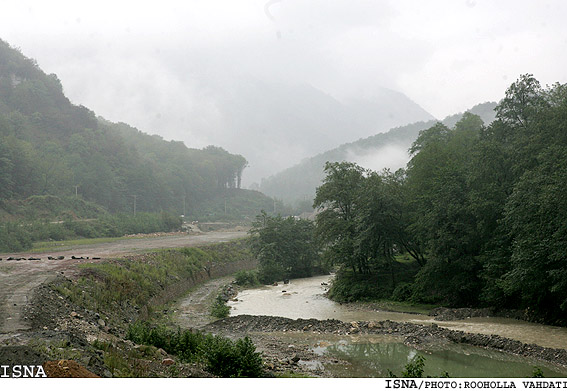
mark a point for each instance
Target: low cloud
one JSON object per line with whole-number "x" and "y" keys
{"x": 391, "y": 156}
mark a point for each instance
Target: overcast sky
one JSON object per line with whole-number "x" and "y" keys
{"x": 153, "y": 64}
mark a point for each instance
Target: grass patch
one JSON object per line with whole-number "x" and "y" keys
{"x": 20, "y": 235}
{"x": 121, "y": 284}
{"x": 63, "y": 244}
{"x": 221, "y": 356}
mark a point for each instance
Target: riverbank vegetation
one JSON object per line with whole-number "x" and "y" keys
{"x": 127, "y": 297}
{"x": 285, "y": 248}
{"x": 479, "y": 209}
{"x": 142, "y": 280}
{"x": 221, "y": 356}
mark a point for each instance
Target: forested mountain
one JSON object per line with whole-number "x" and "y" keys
{"x": 390, "y": 149}
{"x": 48, "y": 146}
{"x": 481, "y": 209}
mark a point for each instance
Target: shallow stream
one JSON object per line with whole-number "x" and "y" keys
{"x": 368, "y": 357}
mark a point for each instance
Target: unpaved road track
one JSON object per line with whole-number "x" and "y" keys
{"x": 18, "y": 279}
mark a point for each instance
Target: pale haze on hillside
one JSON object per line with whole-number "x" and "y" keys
{"x": 279, "y": 81}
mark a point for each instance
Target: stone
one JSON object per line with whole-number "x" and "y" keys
{"x": 101, "y": 322}
{"x": 168, "y": 361}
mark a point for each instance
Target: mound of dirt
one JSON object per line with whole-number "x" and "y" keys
{"x": 66, "y": 368}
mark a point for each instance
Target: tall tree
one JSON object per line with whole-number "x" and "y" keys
{"x": 337, "y": 200}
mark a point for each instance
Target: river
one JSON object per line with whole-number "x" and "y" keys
{"x": 305, "y": 298}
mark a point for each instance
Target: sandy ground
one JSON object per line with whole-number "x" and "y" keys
{"x": 18, "y": 279}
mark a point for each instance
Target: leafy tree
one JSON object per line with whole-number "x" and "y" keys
{"x": 442, "y": 218}
{"x": 337, "y": 200}
{"x": 285, "y": 247}
{"x": 535, "y": 217}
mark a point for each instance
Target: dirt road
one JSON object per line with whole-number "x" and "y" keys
{"x": 18, "y": 279}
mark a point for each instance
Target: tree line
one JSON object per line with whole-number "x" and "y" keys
{"x": 49, "y": 146}
{"x": 477, "y": 217}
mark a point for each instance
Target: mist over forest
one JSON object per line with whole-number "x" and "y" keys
{"x": 283, "y": 188}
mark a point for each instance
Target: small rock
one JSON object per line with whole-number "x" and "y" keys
{"x": 168, "y": 361}
{"x": 295, "y": 358}
{"x": 101, "y": 322}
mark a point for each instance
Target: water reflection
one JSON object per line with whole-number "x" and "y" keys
{"x": 377, "y": 359}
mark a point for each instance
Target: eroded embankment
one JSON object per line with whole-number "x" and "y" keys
{"x": 415, "y": 335}
{"x": 85, "y": 316}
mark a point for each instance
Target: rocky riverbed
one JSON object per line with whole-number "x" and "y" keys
{"x": 60, "y": 329}
{"x": 414, "y": 334}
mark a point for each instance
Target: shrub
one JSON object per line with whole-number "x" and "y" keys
{"x": 229, "y": 359}
{"x": 14, "y": 237}
{"x": 220, "y": 309}
{"x": 403, "y": 292}
{"x": 415, "y": 368}
{"x": 221, "y": 356}
{"x": 247, "y": 278}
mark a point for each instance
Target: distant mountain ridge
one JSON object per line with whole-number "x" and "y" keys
{"x": 298, "y": 183}
{"x": 275, "y": 124}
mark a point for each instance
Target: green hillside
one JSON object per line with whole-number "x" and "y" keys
{"x": 60, "y": 161}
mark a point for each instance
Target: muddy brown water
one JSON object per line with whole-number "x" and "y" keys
{"x": 304, "y": 298}
{"x": 374, "y": 356}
